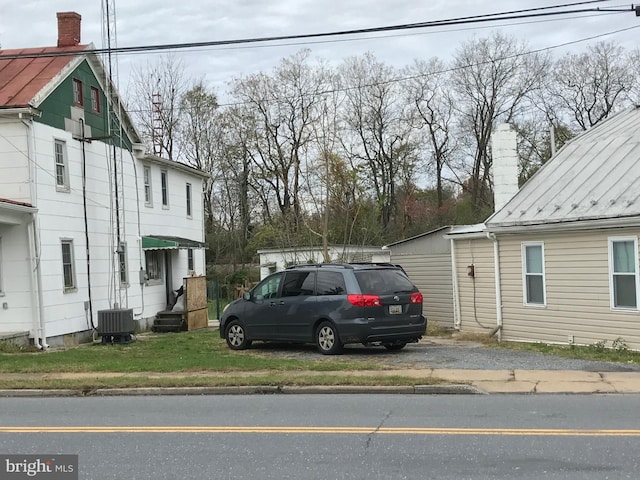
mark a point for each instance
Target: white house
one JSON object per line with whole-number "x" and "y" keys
{"x": 88, "y": 221}
{"x": 276, "y": 259}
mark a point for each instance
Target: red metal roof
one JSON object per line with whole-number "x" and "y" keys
{"x": 14, "y": 202}
{"x": 22, "y": 78}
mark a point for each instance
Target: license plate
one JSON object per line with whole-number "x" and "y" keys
{"x": 395, "y": 309}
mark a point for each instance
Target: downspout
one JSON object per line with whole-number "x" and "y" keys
{"x": 35, "y": 291}
{"x": 141, "y": 273}
{"x": 43, "y": 329}
{"x": 39, "y": 327}
{"x": 498, "y": 285}
{"x": 456, "y": 292}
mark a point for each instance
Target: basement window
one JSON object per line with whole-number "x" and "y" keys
{"x": 624, "y": 282}
{"x": 533, "y": 281}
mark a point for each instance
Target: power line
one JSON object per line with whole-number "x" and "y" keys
{"x": 537, "y": 12}
{"x": 438, "y": 72}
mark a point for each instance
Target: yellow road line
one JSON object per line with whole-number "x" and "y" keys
{"x": 552, "y": 432}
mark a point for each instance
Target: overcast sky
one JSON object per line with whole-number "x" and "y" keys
{"x": 33, "y": 23}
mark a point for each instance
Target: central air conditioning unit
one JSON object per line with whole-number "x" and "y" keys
{"x": 116, "y": 325}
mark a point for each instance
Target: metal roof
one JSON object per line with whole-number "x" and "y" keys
{"x": 594, "y": 176}
{"x": 22, "y": 78}
{"x": 421, "y": 235}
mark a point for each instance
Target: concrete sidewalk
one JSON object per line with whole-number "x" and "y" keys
{"x": 454, "y": 381}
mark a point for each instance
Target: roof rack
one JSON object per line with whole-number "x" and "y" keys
{"x": 320, "y": 265}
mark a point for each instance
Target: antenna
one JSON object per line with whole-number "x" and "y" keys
{"x": 114, "y": 131}
{"x": 156, "y": 128}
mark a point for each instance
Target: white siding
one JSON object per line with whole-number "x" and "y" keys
{"x": 14, "y": 163}
{"x": 432, "y": 275}
{"x": 16, "y": 275}
{"x": 577, "y": 291}
{"x": 61, "y": 215}
{"x": 477, "y": 294}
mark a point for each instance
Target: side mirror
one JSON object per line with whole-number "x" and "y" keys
{"x": 246, "y": 296}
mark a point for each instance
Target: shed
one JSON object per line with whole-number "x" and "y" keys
{"x": 427, "y": 260}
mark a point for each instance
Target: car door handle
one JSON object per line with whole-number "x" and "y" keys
{"x": 273, "y": 304}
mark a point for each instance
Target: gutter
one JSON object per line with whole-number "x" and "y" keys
{"x": 568, "y": 225}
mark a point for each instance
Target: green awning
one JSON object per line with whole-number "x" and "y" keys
{"x": 163, "y": 242}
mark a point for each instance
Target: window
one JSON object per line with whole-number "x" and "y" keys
{"x": 148, "y": 199}
{"x": 122, "y": 264}
{"x": 165, "y": 188}
{"x": 62, "y": 174}
{"x": 268, "y": 288}
{"x": 624, "y": 282}
{"x": 331, "y": 283}
{"x": 77, "y": 93}
{"x": 533, "y": 273}
{"x": 189, "y": 200}
{"x": 298, "y": 283}
{"x": 154, "y": 263}
{"x": 190, "y": 260}
{"x": 95, "y": 100}
{"x": 68, "y": 267}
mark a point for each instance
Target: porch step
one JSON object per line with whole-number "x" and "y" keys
{"x": 168, "y": 321}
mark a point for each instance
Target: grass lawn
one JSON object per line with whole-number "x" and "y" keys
{"x": 195, "y": 351}
{"x": 158, "y": 360}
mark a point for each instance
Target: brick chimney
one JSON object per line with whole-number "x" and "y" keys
{"x": 68, "y": 29}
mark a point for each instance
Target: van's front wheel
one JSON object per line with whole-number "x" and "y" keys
{"x": 236, "y": 336}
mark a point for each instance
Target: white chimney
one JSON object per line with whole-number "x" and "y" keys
{"x": 505, "y": 165}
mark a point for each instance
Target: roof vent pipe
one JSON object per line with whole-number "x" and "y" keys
{"x": 505, "y": 165}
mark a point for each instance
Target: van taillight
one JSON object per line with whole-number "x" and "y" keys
{"x": 364, "y": 300}
{"x": 416, "y": 298}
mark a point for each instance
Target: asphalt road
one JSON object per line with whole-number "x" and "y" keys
{"x": 445, "y": 353}
{"x": 332, "y": 436}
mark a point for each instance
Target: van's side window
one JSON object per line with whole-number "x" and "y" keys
{"x": 331, "y": 283}
{"x": 298, "y": 283}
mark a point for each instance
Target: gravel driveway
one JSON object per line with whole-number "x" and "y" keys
{"x": 445, "y": 353}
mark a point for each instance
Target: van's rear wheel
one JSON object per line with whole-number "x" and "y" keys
{"x": 327, "y": 339}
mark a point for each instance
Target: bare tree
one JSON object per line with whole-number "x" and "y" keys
{"x": 633, "y": 60}
{"x": 283, "y": 107}
{"x": 380, "y": 138}
{"x": 587, "y": 87}
{"x": 432, "y": 112}
{"x": 199, "y": 137}
{"x": 157, "y": 91}
{"x": 493, "y": 77}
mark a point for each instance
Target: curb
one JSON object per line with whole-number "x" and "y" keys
{"x": 246, "y": 390}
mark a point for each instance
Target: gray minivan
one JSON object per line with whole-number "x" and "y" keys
{"x": 330, "y": 304}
